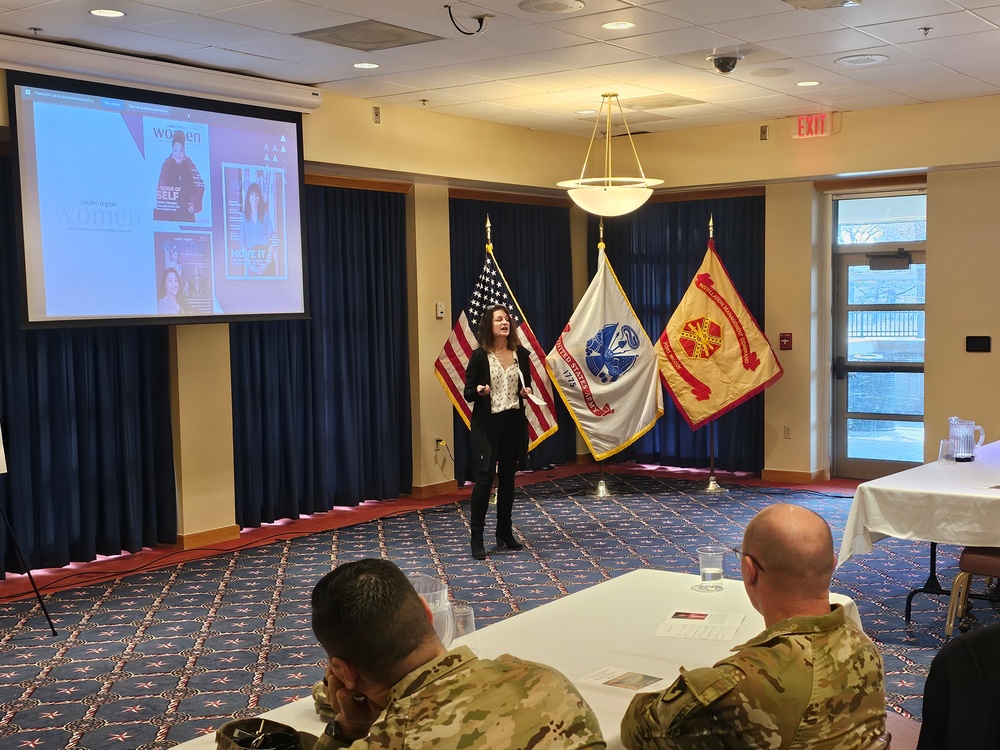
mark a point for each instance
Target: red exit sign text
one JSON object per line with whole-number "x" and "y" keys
{"x": 813, "y": 126}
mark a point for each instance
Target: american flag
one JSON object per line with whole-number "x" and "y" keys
{"x": 491, "y": 289}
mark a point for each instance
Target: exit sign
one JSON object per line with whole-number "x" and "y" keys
{"x": 813, "y": 126}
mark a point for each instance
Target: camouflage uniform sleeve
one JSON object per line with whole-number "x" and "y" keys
{"x": 320, "y": 702}
{"x": 326, "y": 742}
{"x": 656, "y": 720}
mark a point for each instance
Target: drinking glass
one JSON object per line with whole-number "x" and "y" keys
{"x": 711, "y": 567}
{"x": 946, "y": 453}
{"x": 465, "y": 624}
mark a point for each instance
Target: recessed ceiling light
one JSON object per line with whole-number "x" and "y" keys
{"x": 807, "y": 83}
{"x": 861, "y": 61}
{"x": 366, "y": 66}
{"x": 586, "y": 111}
{"x": 617, "y": 25}
{"x": 107, "y": 13}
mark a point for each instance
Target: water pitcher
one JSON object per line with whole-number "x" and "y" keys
{"x": 435, "y": 593}
{"x": 963, "y": 438}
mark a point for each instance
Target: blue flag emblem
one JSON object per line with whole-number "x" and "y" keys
{"x": 611, "y": 352}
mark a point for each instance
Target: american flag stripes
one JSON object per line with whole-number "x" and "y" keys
{"x": 491, "y": 289}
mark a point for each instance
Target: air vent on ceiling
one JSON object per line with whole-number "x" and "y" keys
{"x": 551, "y": 6}
{"x": 660, "y": 101}
{"x": 368, "y": 36}
{"x": 821, "y": 4}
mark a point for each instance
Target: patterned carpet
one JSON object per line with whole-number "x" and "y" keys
{"x": 153, "y": 659}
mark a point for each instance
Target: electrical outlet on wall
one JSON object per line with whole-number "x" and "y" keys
{"x": 788, "y": 432}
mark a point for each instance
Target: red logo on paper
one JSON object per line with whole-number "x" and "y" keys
{"x": 701, "y": 338}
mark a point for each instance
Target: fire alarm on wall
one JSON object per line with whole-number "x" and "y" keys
{"x": 785, "y": 340}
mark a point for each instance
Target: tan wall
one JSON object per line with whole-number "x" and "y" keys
{"x": 962, "y": 300}
{"x": 794, "y": 288}
{"x": 431, "y": 145}
{"x": 915, "y": 138}
{"x": 201, "y": 403}
{"x": 428, "y": 267}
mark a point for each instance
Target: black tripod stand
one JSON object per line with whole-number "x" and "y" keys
{"x": 17, "y": 548}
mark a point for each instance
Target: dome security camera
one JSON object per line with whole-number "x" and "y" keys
{"x": 725, "y": 63}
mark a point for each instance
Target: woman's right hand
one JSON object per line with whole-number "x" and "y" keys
{"x": 483, "y": 390}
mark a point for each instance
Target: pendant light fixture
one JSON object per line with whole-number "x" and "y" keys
{"x": 610, "y": 195}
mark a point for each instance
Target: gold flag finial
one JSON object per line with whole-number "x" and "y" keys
{"x": 711, "y": 226}
{"x": 489, "y": 241}
{"x": 600, "y": 244}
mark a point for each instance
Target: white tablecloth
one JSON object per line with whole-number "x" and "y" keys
{"x": 949, "y": 503}
{"x": 611, "y": 624}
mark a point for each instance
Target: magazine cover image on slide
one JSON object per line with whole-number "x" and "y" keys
{"x": 255, "y": 222}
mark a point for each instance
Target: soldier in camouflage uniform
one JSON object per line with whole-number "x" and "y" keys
{"x": 812, "y": 679}
{"x": 391, "y": 684}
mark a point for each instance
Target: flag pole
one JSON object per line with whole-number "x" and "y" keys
{"x": 489, "y": 249}
{"x": 713, "y": 486}
{"x": 602, "y": 486}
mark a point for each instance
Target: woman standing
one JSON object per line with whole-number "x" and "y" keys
{"x": 497, "y": 379}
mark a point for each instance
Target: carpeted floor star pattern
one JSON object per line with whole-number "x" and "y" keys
{"x": 153, "y": 659}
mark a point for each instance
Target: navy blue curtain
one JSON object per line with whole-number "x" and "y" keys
{"x": 321, "y": 408}
{"x": 86, "y": 425}
{"x": 531, "y": 244}
{"x": 655, "y": 252}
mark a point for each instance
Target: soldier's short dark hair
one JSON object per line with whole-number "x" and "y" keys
{"x": 368, "y": 614}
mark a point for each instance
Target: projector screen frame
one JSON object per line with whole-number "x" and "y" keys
{"x": 295, "y": 219}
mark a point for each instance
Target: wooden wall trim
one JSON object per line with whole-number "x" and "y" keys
{"x": 207, "y": 538}
{"x": 700, "y": 195}
{"x": 358, "y": 183}
{"x": 487, "y": 195}
{"x": 898, "y": 182}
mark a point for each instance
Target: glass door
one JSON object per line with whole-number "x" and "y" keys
{"x": 878, "y": 419}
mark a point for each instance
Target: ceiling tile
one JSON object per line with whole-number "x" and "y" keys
{"x": 718, "y": 11}
{"x": 777, "y": 26}
{"x": 670, "y": 43}
{"x": 844, "y": 40}
{"x": 544, "y": 66}
{"x": 927, "y": 81}
{"x": 646, "y": 22}
{"x": 584, "y": 55}
{"x": 911, "y": 30}
{"x": 512, "y": 66}
{"x": 886, "y": 11}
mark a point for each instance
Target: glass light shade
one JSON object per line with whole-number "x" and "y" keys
{"x": 610, "y": 196}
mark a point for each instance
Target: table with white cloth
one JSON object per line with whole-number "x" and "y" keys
{"x": 610, "y": 624}
{"x": 945, "y": 502}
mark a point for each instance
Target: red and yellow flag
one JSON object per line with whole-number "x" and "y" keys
{"x": 712, "y": 355}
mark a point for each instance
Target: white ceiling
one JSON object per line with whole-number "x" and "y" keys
{"x": 536, "y": 70}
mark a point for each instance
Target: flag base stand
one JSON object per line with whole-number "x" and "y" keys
{"x": 713, "y": 486}
{"x": 601, "y": 490}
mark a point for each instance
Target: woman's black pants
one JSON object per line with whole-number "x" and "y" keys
{"x": 508, "y": 432}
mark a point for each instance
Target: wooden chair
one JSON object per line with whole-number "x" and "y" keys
{"x": 979, "y": 561}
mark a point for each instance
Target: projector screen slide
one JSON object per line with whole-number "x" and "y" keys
{"x": 141, "y": 207}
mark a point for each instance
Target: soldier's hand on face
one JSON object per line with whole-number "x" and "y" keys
{"x": 355, "y": 713}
